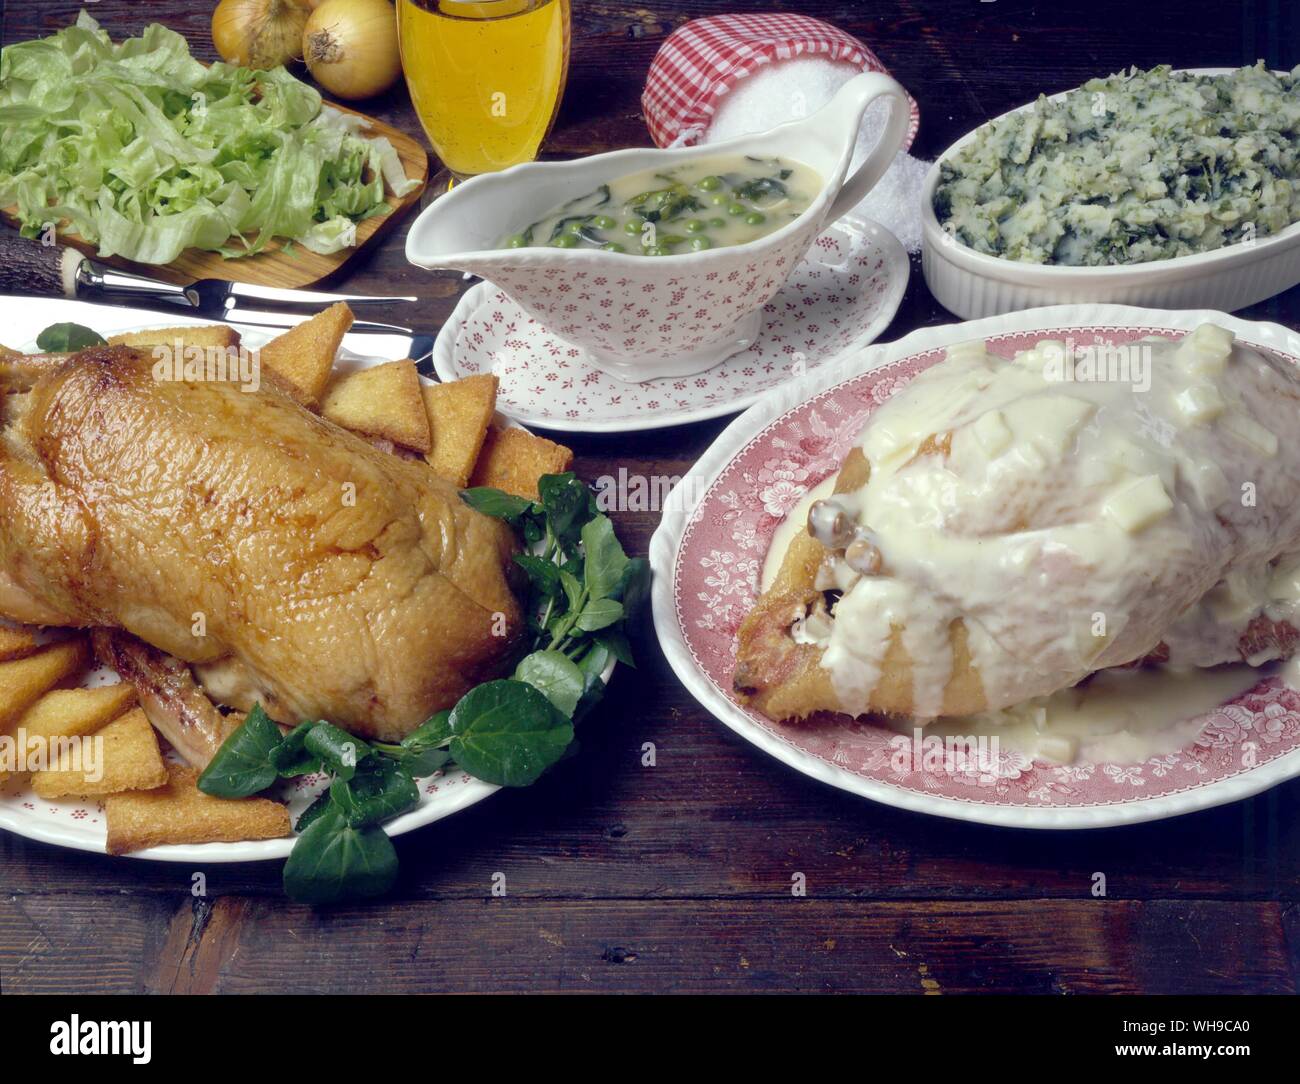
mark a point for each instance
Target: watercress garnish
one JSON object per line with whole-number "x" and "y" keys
{"x": 555, "y": 676}
{"x": 495, "y": 503}
{"x": 243, "y": 765}
{"x": 508, "y": 733}
{"x": 339, "y": 751}
{"x": 580, "y": 580}
{"x": 62, "y": 338}
{"x": 334, "y": 861}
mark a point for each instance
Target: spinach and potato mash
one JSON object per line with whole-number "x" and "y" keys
{"x": 1140, "y": 166}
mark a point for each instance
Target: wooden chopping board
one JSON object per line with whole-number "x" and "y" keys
{"x": 273, "y": 267}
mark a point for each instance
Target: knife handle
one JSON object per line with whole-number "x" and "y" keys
{"x": 31, "y": 267}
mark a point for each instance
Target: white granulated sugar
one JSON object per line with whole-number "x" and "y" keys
{"x": 791, "y": 89}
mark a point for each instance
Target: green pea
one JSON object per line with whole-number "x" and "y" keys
{"x": 699, "y": 244}
{"x": 694, "y": 225}
{"x": 736, "y": 209}
{"x": 574, "y": 228}
{"x": 719, "y": 199}
{"x": 565, "y": 240}
{"x": 710, "y": 183}
{"x": 755, "y": 218}
{"x": 614, "y": 246}
{"x": 633, "y": 225}
{"x": 516, "y": 240}
{"x": 657, "y": 250}
{"x": 603, "y": 222}
{"x": 717, "y": 223}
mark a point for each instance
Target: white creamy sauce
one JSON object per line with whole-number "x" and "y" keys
{"x": 795, "y": 523}
{"x": 1118, "y": 717}
{"x": 1073, "y": 523}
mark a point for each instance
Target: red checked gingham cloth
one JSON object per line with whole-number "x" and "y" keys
{"x": 702, "y": 60}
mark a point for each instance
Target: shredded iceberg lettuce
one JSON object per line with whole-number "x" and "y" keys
{"x": 146, "y": 152}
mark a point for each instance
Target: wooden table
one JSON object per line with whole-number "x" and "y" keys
{"x": 678, "y": 877}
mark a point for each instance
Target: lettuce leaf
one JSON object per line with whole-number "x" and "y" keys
{"x": 145, "y": 151}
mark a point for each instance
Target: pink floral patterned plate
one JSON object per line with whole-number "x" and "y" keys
{"x": 708, "y": 553}
{"x": 838, "y": 300}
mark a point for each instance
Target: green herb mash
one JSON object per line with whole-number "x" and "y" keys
{"x": 1136, "y": 167}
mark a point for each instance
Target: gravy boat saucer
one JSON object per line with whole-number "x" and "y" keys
{"x": 840, "y": 298}
{"x": 647, "y": 317}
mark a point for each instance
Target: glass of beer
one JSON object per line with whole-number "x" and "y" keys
{"x": 486, "y": 77}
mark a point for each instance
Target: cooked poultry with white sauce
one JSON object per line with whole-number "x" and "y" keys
{"x": 1003, "y": 529}
{"x": 287, "y": 561}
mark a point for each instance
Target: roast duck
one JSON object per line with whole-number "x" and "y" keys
{"x": 1005, "y": 528}
{"x": 231, "y": 547}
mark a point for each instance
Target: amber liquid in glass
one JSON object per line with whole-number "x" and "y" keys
{"x": 486, "y": 78}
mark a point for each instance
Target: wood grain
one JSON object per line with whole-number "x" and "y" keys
{"x": 504, "y": 945}
{"x": 632, "y": 879}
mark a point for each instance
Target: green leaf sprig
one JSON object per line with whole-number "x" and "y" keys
{"x": 582, "y": 588}
{"x": 62, "y": 338}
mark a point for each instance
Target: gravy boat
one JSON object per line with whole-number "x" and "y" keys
{"x": 645, "y": 317}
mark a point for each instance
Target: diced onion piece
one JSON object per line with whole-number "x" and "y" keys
{"x": 1139, "y": 504}
{"x": 1199, "y": 404}
{"x": 1206, "y": 350}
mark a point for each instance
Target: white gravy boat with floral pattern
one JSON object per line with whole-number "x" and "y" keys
{"x": 644, "y": 317}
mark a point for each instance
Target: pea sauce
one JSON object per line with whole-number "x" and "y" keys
{"x": 711, "y": 203}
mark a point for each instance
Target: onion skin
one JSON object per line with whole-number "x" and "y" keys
{"x": 350, "y": 47}
{"x": 259, "y": 34}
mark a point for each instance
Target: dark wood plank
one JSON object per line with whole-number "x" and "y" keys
{"x": 65, "y": 943}
{"x": 617, "y": 946}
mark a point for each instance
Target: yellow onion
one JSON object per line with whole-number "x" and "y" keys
{"x": 259, "y": 33}
{"x": 351, "y": 47}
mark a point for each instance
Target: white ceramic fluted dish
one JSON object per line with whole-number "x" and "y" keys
{"x": 972, "y": 284}
{"x": 708, "y": 553}
{"x": 80, "y": 824}
{"x": 645, "y": 317}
